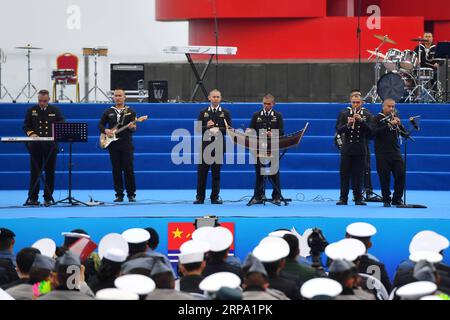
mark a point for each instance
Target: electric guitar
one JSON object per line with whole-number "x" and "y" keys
{"x": 105, "y": 141}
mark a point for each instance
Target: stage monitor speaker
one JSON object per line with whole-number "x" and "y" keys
{"x": 127, "y": 75}
{"x": 158, "y": 91}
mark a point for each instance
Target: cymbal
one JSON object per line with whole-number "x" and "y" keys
{"x": 374, "y": 53}
{"x": 419, "y": 40}
{"x": 385, "y": 38}
{"x": 29, "y": 47}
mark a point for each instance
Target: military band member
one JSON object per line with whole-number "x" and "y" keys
{"x": 354, "y": 127}
{"x": 121, "y": 151}
{"x": 427, "y": 52}
{"x": 387, "y": 131}
{"x": 38, "y": 123}
{"x": 263, "y": 122}
{"x": 212, "y": 120}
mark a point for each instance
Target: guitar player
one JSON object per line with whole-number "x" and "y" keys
{"x": 121, "y": 152}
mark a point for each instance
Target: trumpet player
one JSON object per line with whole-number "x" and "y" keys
{"x": 387, "y": 129}
{"x": 353, "y": 126}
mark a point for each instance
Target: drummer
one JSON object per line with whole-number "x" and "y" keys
{"x": 427, "y": 52}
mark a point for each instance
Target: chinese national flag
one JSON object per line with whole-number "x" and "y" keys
{"x": 180, "y": 232}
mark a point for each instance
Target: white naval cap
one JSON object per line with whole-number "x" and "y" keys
{"x": 219, "y": 239}
{"x": 115, "y": 255}
{"x": 115, "y": 294}
{"x": 320, "y": 287}
{"x": 427, "y": 240}
{"x": 46, "y": 246}
{"x": 346, "y": 249}
{"x": 214, "y": 282}
{"x": 75, "y": 235}
{"x": 361, "y": 230}
{"x": 430, "y": 256}
{"x": 201, "y": 233}
{"x": 136, "y": 235}
{"x": 431, "y": 298}
{"x": 280, "y": 233}
{"x": 271, "y": 249}
{"x": 193, "y": 251}
{"x": 135, "y": 283}
{"x": 113, "y": 247}
{"x": 416, "y": 290}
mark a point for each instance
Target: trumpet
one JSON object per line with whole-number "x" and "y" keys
{"x": 354, "y": 117}
{"x": 387, "y": 119}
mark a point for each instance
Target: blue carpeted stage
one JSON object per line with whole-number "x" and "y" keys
{"x": 309, "y": 176}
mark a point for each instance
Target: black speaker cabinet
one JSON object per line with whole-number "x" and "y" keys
{"x": 158, "y": 91}
{"x": 127, "y": 76}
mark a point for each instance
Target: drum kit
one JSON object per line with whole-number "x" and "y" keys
{"x": 95, "y": 52}
{"x": 405, "y": 79}
{"x": 60, "y": 76}
{"x": 29, "y": 89}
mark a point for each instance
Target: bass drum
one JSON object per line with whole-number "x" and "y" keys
{"x": 395, "y": 85}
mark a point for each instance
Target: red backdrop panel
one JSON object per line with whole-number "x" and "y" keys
{"x": 204, "y": 9}
{"x": 430, "y": 9}
{"x": 442, "y": 31}
{"x": 316, "y": 38}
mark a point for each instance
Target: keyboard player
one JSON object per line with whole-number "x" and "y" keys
{"x": 38, "y": 123}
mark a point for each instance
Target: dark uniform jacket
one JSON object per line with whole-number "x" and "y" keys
{"x": 112, "y": 117}
{"x": 354, "y": 140}
{"x": 8, "y": 272}
{"x": 219, "y": 117}
{"x": 288, "y": 287}
{"x": 222, "y": 266}
{"x": 191, "y": 284}
{"x": 268, "y": 121}
{"x": 38, "y": 121}
{"x": 386, "y": 139}
{"x": 366, "y": 263}
{"x": 426, "y": 55}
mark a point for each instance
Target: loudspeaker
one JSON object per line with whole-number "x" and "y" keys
{"x": 158, "y": 91}
{"x": 126, "y": 75}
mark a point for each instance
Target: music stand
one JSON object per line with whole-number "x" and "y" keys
{"x": 70, "y": 132}
{"x": 407, "y": 136}
{"x": 443, "y": 51}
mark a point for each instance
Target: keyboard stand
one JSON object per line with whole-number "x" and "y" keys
{"x": 199, "y": 77}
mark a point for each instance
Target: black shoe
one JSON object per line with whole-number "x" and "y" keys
{"x": 118, "y": 199}
{"x": 397, "y": 202}
{"x": 386, "y": 204}
{"x": 199, "y": 201}
{"x": 49, "y": 202}
{"x": 31, "y": 203}
{"x": 360, "y": 203}
{"x": 276, "y": 202}
{"x": 131, "y": 199}
{"x": 216, "y": 201}
{"x": 341, "y": 203}
{"x": 254, "y": 201}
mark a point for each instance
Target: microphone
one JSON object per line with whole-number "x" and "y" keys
{"x": 414, "y": 123}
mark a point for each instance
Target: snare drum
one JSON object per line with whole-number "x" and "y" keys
{"x": 425, "y": 73}
{"x": 408, "y": 60}
{"x": 63, "y": 74}
{"x": 392, "y": 59}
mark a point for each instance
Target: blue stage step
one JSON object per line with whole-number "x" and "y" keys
{"x": 297, "y": 179}
{"x": 164, "y": 162}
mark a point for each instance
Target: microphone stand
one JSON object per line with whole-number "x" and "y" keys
{"x": 216, "y": 34}
{"x": 406, "y": 137}
{"x": 358, "y": 36}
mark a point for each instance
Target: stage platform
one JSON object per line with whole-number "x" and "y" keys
{"x": 158, "y": 208}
